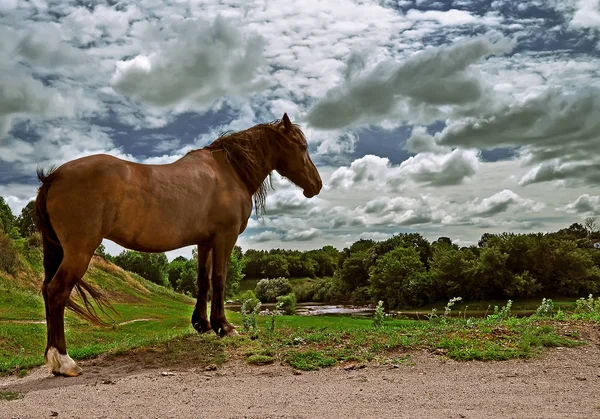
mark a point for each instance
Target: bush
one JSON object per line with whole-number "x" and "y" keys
{"x": 328, "y": 289}
{"x": 34, "y": 241}
{"x": 249, "y": 298}
{"x": 267, "y": 290}
{"x": 305, "y": 292}
{"x": 287, "y": 303}
{"x": 9, "y": 257}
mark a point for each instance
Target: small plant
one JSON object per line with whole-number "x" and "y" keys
{"x": 433, "y": 314}
{"x": 271, "y": 324}
{"x": 587, "y": 305}
{"x": 560, "y": 315}
{"x": 546, "y": 309}
{"x": 448, "y": 308}
{"x": 249, "y": 318}
{"x": 502, "y": 314}
{"x": 379, "y": 315}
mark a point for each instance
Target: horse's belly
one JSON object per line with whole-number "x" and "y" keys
{"x": 158, "y": 235}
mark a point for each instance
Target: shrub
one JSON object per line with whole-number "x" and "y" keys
{"x": 34, "y": 241}
{"x": 9, "y": 257}
{"x": 267, "y": 290}
{"x": 327, "y": 289}
{"x": 249, "y": 298}
{"x": 305, "y": 292}
{"x": 287, "y": 303}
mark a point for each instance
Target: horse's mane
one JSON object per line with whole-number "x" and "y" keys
{"x": 247, "y": 151}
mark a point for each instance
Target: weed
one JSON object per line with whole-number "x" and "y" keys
{"x": 249, "y": 318}
{"x": 379, "y": 315}
{"x": 546, "y": 309}
{"x": 448, "y": 308}
{"x": 270, "y": 324}
{"x": 504, "y": 313}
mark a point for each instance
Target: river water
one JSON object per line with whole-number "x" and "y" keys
{"x": 327, "y": 309}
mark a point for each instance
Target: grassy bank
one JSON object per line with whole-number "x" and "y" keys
{"x": 145, "y": 314}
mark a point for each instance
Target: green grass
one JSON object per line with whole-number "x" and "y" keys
{"x": 165, "y": 316}
{"x": 258, "y": 359}
{"x": 161, "y": 332}
{"x": 310, "y": 343}
{"x": 10, "y": 395}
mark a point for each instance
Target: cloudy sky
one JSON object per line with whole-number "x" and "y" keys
{"x": 449, "y": 118}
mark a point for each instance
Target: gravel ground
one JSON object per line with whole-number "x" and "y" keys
{"x": 563, "y": 383}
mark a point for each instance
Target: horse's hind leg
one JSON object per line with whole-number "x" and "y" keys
{"x": 199, "y": 316}
{"x": 71, "y": 269}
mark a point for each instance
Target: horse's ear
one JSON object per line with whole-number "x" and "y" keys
{"x": 286, "y": 122}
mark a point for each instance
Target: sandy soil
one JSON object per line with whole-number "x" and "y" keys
{"x": 564, "y": 383}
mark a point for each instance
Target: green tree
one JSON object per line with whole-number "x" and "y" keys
{"x": 399, "y": 279}
{"x": 7, "y": 219}
{"x": 235, "y": 274}
{"x": 354, "y": 272}
{"x": 25, "y": 222}
{"x": 175, "y": 269}
{"x": 452, "y": 275}
{"x": 274, "y": 265}
{"x": 152, "y": 266}
{"x": 188, "y": 279}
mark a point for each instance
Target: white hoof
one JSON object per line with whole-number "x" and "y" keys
{"x": 62, "y": 364}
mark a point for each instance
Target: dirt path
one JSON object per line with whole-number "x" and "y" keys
{"x": 565, "y": 383}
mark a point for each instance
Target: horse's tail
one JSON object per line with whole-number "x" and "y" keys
{"x": 53, "y": 251}
{"x": 53, "y": 256}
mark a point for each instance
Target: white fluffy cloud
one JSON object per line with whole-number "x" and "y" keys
{"x": 501, "y": 202}
{"x": 201, "y": 63}
{"x": 587, "y": 15}
{"x": 585, "y": 204}
{"x": 22, "y": 95}
{"x": 425, "y": 168}
{"x": 436, "y": 76}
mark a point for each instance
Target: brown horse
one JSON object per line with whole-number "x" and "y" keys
{"x": 203, "y": 199}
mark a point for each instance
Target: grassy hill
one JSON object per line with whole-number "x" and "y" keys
{"x": 146, "y": 313}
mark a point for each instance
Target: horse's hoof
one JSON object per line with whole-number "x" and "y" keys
{"x": 62, "y": 364}
{"x": 202, "y": 327}
{"x": 228, "y": 333}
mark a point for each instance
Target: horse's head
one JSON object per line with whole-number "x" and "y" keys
{"x": 293, "y": 160}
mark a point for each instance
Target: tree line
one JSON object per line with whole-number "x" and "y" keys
{"x": 404, "y": 271}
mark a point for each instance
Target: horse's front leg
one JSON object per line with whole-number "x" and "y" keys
{"x": 223, "y": 246}
{"x": 199, "y": 316}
